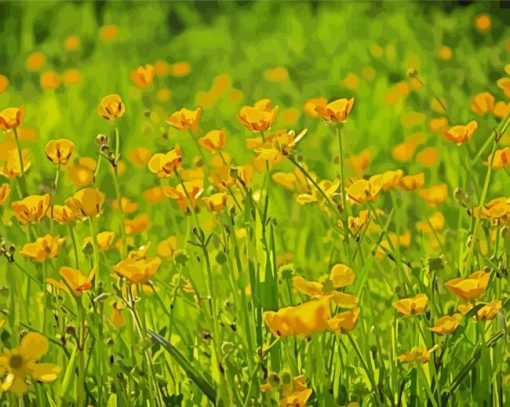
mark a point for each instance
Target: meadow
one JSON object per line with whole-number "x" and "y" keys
{"x": 254, "y": 204}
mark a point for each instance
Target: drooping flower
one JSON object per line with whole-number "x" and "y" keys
{"x": 11, "y": 118}
{"x": 43, "y": 248}
{"x": 461, "y": 133}
{"x": 214, "y": 140}
{"x": 336, "y": 111}
{"x": 142, "y": 76}
{"x": 485, "y": 313}
{"x": 469, "y": 288}
{"x": 111, "y": 107}
{"x": 23, "y": 361}
{"x": 259, "y": 117}
{"x": 185, "y": 119}
{"x": 86, "y": 203}
{"x": 446, "y": 325}
{"x": 412, "y": 305}
{"x": 31, "y": 209}
{"x": 59, "y": 151}
{"x": 165, "y": 164}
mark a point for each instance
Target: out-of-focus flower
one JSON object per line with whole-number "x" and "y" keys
{"x": 63, "y": 214}
{"x": 446, "y": 325}
{"x": 504, "y": 83}
{"x": 165, "y": 164}
{"x": 469, "y": 288}
{"x": 31, "y": 209}
{"x": 185, "y": 119}
{"x": 483, "y": 23}
{"x": 279, "y": 145}
{"x": 214, "y": 140}
{"x": 461, "y": 133}
{"x": 259, "y": 117}
{"x": 489, "y": 311}
{"x": 35, "y": 61}
{"x": 86, "y": 202}
{"x": 11, "y": 118}
{"x": 49, "y": 80}
{"x": 217, "y": 202}
{"x": 336, "y": 111}
{"x": 137, "y": 225}
{"x": 276, "y": 74}
{"x": 4, "y": 82}
{"x": 482, "y": 103}
{"x": 412, "y": 182}
{"x": 180, "y": 194}
{"x": 108, "y": 32}
{"x": 111, "y": 107}
{"x": 364, "y": 190}
{"x": 166, "y": 248}
{"x": 391, "y": 179}
{"x": 501, "y": 158}
{"x": 312, "y": 104}
{"x": 127, "y": 205}
{"x": 140, "y": 156}
{"x": 445, "y": 53}
{"x": 59, "y": 151}
{"x": 71, "y": 77}
{"x": 43, "y": 248}
{"x": 5, "y": 190}
{"x": 12, "y": 167}
{"x": 435, "y": 195}
{"x": 142, "y": 76}
{"x": 293, "y": 392}
{"x": 419, "y": 354}
{"x": 103, "y": 241}
{"x": 23, "y": 361}
{"x": 412, "y": 305}
{"x": 81, "y": 171}
{"x": 180, "y": 69}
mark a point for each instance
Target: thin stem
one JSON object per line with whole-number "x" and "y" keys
{"x": 341, "y": 160}
{"x": 21, "y": 164}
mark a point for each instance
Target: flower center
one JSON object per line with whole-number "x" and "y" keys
{"x": 15, "y": 361}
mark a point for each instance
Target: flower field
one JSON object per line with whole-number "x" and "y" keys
{"x": 254, "y": 204}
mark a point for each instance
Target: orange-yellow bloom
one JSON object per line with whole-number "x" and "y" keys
{"x": 312, "y": 104}
{"x": 412, "y": 182}
{"x": 76, "y": 281}
{"x": 11, "y": 118}
{"x": 501, "y": 158}
{"x": 104, "y": 240}
{"x": 63, "y": 214}
{"x": 142, "y": 76}
{"x": 416, "y": 355}
{"x": 412, "y": 305}
{"x": 167, "y": 248}
{"x": 344, "y": 321}
{"x": 59, "y": 151}
{"x": 482, "y": 103}
{"x": 217, "y": 202}
{"x": 435, "y": 195}
{"x": 31, "y": 209}
{"x": 180, "y": 194}
{"x": 364, "y": 190}
{"x": 165, "y": 164}
{"x": 86, "y": 202}
{"x": 336, "y": 111}
{"x": 185, "y": 119}
{"x": 111, "y": 107}
{"x": 214, "y": 140}
{"x": 446, "y": 325}
{"x": 469, "y": 288}
{"x": 137, "y": 269}
{"x": 259, "y": 117}
{"x": 461, "y": 133}
{"x": 5, "y": 190}
{"x": 43, "y": 248}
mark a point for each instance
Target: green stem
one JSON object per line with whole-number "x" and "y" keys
{"x": 21, "y": 164}
{"x": 341, "y": 159}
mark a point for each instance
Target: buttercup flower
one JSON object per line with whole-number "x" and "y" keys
{"x": 59, "y": 151}
{"x": 259, "y": 117}
{"x": 111, "y": 107}
{"x": 193, "y": 188}
{"x": 167, "y": 248}
{"x": 412, "y": 182}
{"x": 11, "y": 118}
{"x": 501, "y": 159}
{"x": 217, "y": 202}
{"x": 364, "y": 190}
{"x": 104, "y": 240}
{"x": 469, "y": 288}
{"x": 412, "y": 305}
{"x": 12, "y": 167}
{"x": 344, "y": 321}
{"x": 76, "y": 281}
{"x": 63, "y": 214}
{"x": 446, "y": 325}
{"x": 435, "y": 195}
{"x": 23, "y": 361}
{"x": 31, "y": 209}
{"x": 185, "y": 119}
{"x": 482, "y": 103}
{"x": 137, "y": 268}
{"x": 461, "y": 133}
{"x": 312, "y": 104}
{"x": 43, "y": 248}
{"x": 5, "y": 190}
{"x": 86, "y": 202}
{"x": 336, "y": 111}
{"x": 142, "y": 76}
{"x": 419, "y": 354}
{"x": 214, "y": 140}
{"x": 165, "y": 164}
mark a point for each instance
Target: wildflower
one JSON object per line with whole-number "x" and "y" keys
{"x": 489, "y": 311}
{"x": 103, "y": 241}
{"x": 296, "y": 394}
{"x": 23, "y": 361}
{"x": 391, "y": 179}
{"x": 418, "y": 354}
{"x": 71, "y": 77}
{"x": 142, "y": 76}
{"x": 312, "y": 104}
{"x": 12, "y": 167}
{"x": 167, "y": 248}
{"x": 63, "y": 214}
{"x": 5, "y": 190}
{"x": 435, "y": 222}
{"x": 412, "y": 182}
{"x": 336, "y": 111}
{"x": 127, "y": 205}
{"x": 446, "y": 325}
{"x": 116, "y": 318}
{"x": 185, "y": 119}
{"x": 356, "y": 223}
{"x": 259, "y": 117}
{"x": 140, "y": 156}
{"x": 180, "y": 194}
{"x": 43, "y": 248}
{"x": 305, "y": 319}
{"x": 217, "y": 202}
{"x": 279, "y": 145}
{"x": 165, "y": 164}
{"x": 469, "y": 288}
{"x": 497, "y": 210}
{"x": 72, "y": 43}
{"x": 137, "y": 268}
{"x": 364, "y": 190}
{"x": 49, "y": 80}
{"x": 108, "y": 32}
{"x": 461, "y": 133}
{"x": 4, "y": 83}
{"x": 76, "y": 281}
{"x": 344, "y": 321}
{"x": 31, "y": 209}
{"x": 276, "y": 74}
{"x": 59, "y": 151}
{"x": 111, "y": 107}
{"x": 483, "y": 23}
{"x": 180, "y": 69}
{"x": 137, "y": 225}
{"x": 35, "y": 61}
{"x": 341, "y": 276}
{"x": 11, "y": 118}
{"x": 412, "y": 305}
{"x": 435, "y": 195}
{"x": 81, "y": 171}
{"x": 214, "y": 140}
{"x": 501, "y": 158}
{"x": 504, "y": 84}
{"x": 86, "y": 202}
{"x": 482, "y": 103}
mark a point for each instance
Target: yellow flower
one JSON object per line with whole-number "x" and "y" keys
{"x": 12, "y": 167}
{"x": 416, "y": 355}
{"x": 167, "y": 248}
{"x": 31, "y": 209}
{"x": 501, "y": 159}
{"x": 214, "y": 140}
{"x": 482, "y": 103}
{"x": 43, "y": 248}
{"x": 412, "y": 305}
{"x": 336, "y": 111}
{"x": 489, "y": 311}
{"x": 49, "y": 80}
{"x": 104, "y": 240}
{"x": 137, "y": 269}
{"x": 165, "y": 164}
{"x": 180, "y": 69}
{"x": 127, "y": 205}
{"x": 279, "y": 145}
{"x": 22, "y": 362}
{"x": 59, "y": 151}
{"x": 469, "y": 288}
{"x": 5, "y": 190}
{"x": 63, "y": 214}
{"x": 276, "y": 74}
{"x": 194, "y": 190}
{"x": 109, "y": 32}
{"x": 140, "y": 156}
{"x": 312, "y": 104}
{"x": 116, "y": 317}
{"x": 185, "y": 119}
{"x": 391, "y": 179}
{"x": 483, "y": 23}
{"x": 295, "y": 394}
{"x": 504, "y": 84}
{"x": 137, "y": 225}
{"x": 446, "y": 325}
{"x": 341, "y": 276}
{"x": 435, "y": 195}
{"x": 364, "y": 190}
{"x": 259, "y": 117}
{"x": 142, "y": 76}
{"x": 155, "y": 194}
{"x": 217, "y": 202}
{"x": 461, "y": 133}
{"x": 76, "y": 281}
{"x": 344, "y": 321}
{"x": 111, "y": 107}
{"x": 11, "y": 118}
{"x": 356, "y": 223}
{"x": 305, "y": 319}
{"x": 81, "y": 171}
{"x": 86, "y": 202}
{"x": 412, "y": 182}
{"x": 35, "y": 61}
